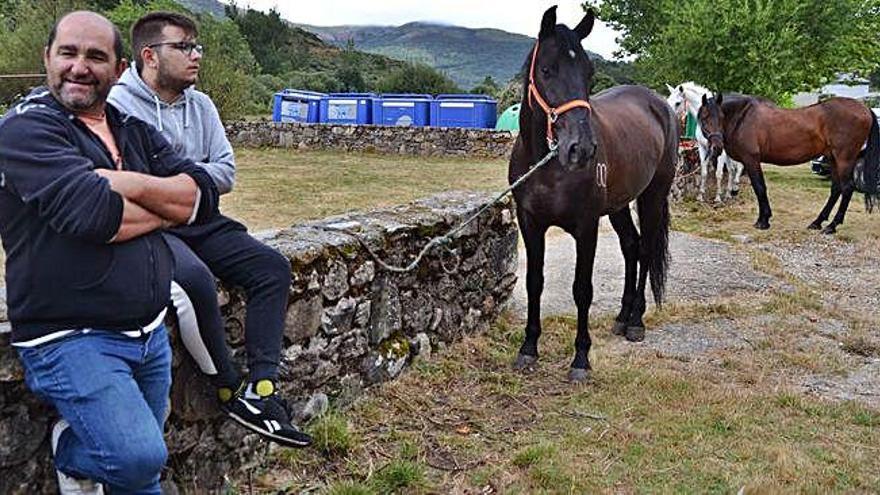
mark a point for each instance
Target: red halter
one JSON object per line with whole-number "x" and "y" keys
{"x": 552, "y": 113}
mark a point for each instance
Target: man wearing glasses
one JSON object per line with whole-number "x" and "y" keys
{"x": 158, "y": 89}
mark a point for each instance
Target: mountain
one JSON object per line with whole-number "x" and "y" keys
{"x": 466, "y": 55}
{"x": 212, "y": 7}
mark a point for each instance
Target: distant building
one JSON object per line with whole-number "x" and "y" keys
{"x": 846, "y": 85}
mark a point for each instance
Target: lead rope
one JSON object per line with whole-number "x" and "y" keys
{"x": 444, "y": 240}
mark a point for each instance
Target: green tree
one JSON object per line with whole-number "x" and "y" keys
{"x": 24, "y": 29}
{"x": 269, "y": 37}
{"x": 228, "y": 66}
{"x": 416, "y": 78}
{"x": 487, "y": 87}
{"x": 349, "y": 74}
{"x": 771, "y": 48}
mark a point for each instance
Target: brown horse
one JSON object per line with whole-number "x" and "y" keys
{"x": 617, "y": 147}
{"x": 755, "y": 130}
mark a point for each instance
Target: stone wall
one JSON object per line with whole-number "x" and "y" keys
{"x": 350, "y": 324}
{"x": 687, "y": 176}
{"x": 422, "y": 141}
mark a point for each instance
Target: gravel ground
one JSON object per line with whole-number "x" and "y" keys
{"x": 701, "y": 270}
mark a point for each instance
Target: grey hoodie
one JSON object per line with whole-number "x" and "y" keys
{"x": 191, "y": 124}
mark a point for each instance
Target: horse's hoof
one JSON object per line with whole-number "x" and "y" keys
{"x": 762, "y": 225}
{"x": 619, "y": 328}
{"x": 578, "y": 375}
{"x": 635, "y": 334}
{"x": 815, "y": 226}
{"x": 524, "y": 362}
{"x": 831, "y": 229}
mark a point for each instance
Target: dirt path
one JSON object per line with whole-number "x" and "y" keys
{"x": 701, "y": 270}
{"x": 842, "y": 328}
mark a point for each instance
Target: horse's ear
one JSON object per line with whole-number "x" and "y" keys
{"x": 680, "y": 88}
{"x": 586, "y": 25}
{"x": 548, "y": 23}
{"x": 670, "y": 88}
{"x": 705, "y": 100}
{"x": 718, "y": 98}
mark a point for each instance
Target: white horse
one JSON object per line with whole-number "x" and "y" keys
{"x": 688, "y": 97}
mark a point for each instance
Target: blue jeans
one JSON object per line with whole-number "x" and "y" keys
{"x": 113, "y": 390}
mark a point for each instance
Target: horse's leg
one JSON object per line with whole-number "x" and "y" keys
{"x": 704, "y": 173}
{"x": 629, "y": 244}
{"x": 756, "y": 176}
{"x": 653, "y": 250}
{"x": 533, "y": 238}
{"x": 635, "y": 326}
{"x": 829, "y": 205}
{"x": 719, "y": 176}
{"x": 582, "y": 290}
{"x": 735, "y": 169}
{"x": 847, "y": 187}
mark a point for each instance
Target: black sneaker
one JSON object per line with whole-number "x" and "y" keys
{"x": 266, "y": 414}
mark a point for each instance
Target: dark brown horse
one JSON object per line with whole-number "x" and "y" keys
{"x": 755, "y": 130}
{"x": 614, "y": 148}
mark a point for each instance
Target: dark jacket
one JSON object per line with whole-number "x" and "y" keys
{"x": 57, "y": 217}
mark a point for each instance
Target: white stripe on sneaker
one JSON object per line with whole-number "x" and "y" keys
{"x": 278, "y": 438}
{"x": 252, "y": 409}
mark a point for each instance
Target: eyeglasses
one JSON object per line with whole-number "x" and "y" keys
{"x": 186, "y": 47}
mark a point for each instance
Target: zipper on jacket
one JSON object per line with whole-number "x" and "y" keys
{"x": 152, "y": 274}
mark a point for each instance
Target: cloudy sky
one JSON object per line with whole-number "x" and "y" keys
{"x": 516, "y": 16}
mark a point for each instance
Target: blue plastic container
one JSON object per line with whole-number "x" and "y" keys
{"x": 293, "y": 105}
{"x": 463, "y": 110}
{"x": 347, "y": 108}
{"x": 402, "y": 109}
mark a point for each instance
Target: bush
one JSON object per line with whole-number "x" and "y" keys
{"x": 23, "y": 32}
{"x": 416, "y": 78}
{"x": 228, "y": 63}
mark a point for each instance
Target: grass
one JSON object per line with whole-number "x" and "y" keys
{"x": 642, "y": 425}
{"x": 796, "y": 196}
{"x": 278, "y": 187}
{"x": 332, "y": 435}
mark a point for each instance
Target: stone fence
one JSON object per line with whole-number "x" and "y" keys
{"x": 422, "y": 141}
{"x": 350, "y": 324}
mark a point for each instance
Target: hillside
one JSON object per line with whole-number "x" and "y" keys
{"x": 466, "y": 55}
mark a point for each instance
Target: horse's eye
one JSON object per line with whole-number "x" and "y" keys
{"x": 545, "y": 71}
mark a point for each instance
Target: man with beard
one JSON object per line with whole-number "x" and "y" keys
{"x": 158, "y": 89}
{"x": 84, "y": 191}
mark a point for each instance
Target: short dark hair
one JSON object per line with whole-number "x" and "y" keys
{"x": 117, "y": 38}
{"x": 148, "y": 30}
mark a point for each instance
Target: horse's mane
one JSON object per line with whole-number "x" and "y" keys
{"x": 690, "y": 86}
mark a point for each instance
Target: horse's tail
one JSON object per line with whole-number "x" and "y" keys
{"x": 656, "y": 243}
{"x": 867, "y": 177}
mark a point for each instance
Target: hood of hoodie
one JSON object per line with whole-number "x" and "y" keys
{"x": 191, "y": 124}
{"x": 139, "y": 89}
